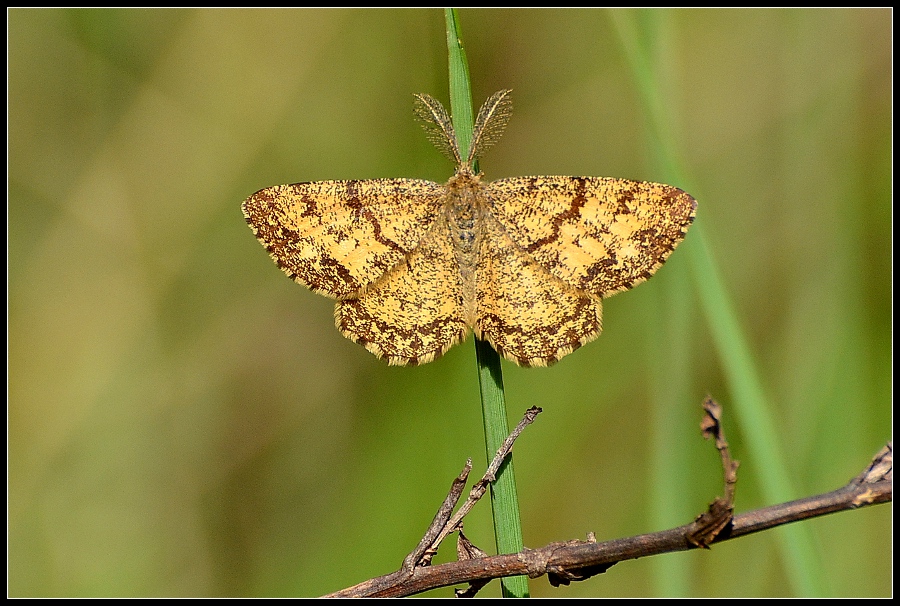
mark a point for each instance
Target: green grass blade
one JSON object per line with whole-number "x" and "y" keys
{"x": 504, "y": 500}
{"x": 460, "y": 88}
{"x": 752, "y": 408}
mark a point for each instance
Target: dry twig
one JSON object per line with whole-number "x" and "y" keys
{"x": 575, "y": 560}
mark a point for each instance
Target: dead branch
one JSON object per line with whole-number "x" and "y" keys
{"x": 576, "y": 560}
{"x": 442, "y": 524}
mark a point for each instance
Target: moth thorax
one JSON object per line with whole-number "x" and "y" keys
{"x": 464, "y": 209}
{"x": 464, "y": 203}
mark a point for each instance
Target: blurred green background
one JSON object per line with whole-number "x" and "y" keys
{"x": 186, "y": 421}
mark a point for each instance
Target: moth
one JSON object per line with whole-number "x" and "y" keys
{"x": 523, "y": 262}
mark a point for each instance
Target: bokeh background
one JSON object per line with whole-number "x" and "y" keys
{"x": 186, "y": 421}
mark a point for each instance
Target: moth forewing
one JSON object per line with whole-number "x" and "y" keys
{"x": 600, "y": 235}
{"x": 339, "y": 237}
